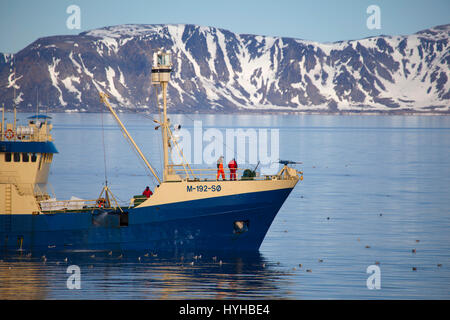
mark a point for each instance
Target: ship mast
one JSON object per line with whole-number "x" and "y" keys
{"x": 161, "y": 69}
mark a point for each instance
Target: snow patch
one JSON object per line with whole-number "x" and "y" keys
{"x": 110, "y": 75}
{"x": 68, "y": 83}
{"x": 54, "y": 79}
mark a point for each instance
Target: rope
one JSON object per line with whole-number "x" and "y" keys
{"x": 104, "y": 99}
{"x": 147, "y": 170}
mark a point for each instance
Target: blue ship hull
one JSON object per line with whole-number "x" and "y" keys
{"x": 206, "y": 224}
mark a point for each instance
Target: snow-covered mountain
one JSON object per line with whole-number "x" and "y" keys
{"x": 216, "y": 70}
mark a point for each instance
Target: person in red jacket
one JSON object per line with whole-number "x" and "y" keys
{"x": 147, "y": 192}
{"x": 232, "y": 165}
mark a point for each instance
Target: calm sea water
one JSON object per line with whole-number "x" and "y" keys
{"x": 374, "y": 189}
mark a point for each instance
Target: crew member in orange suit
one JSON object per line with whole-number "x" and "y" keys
{"x": 220, "y": 168}
{"x": 232, "y": 165}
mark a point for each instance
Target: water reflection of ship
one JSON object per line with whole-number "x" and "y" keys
{"x": 162, "y": 277}
{"x": 22, "y": 279}
{"x": 226, "y": 277}
{"x": 188, "y": 210}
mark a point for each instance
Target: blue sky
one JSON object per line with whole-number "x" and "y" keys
{"x": 23, "y": 21}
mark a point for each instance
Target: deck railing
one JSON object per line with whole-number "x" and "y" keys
{"x": 211, "y": 174}
{"x": 25, "y": 133}
{"x": 53, "y": 205}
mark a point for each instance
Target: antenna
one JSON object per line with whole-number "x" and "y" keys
{"x": 37, "y": 101}
{"x": 14, "y": 86}
{"x": 3, "y": 122}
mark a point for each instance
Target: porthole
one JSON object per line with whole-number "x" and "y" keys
{"x": 241, "y": 226}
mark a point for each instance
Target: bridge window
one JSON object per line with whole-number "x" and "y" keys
{"x": 25, "y": 157}
{"x": 33, "y": 157}
{"x": 16, "y": 157}
{"x": 8, "y": 157}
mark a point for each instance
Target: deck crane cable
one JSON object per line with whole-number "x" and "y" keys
{"x": 142, "y": 163}
{"x": 104, "y": 99}
{"x": 106, "y": 191}
{"x": 108, "y": 194}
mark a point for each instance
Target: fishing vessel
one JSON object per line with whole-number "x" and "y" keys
{"x": 189, "y": 209}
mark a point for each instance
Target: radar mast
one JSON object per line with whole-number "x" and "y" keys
{"x": 162, "y": 66}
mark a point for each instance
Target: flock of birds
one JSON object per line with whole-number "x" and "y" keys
{"x": 44, "y": 258}
{"x": 197, "y": 258}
